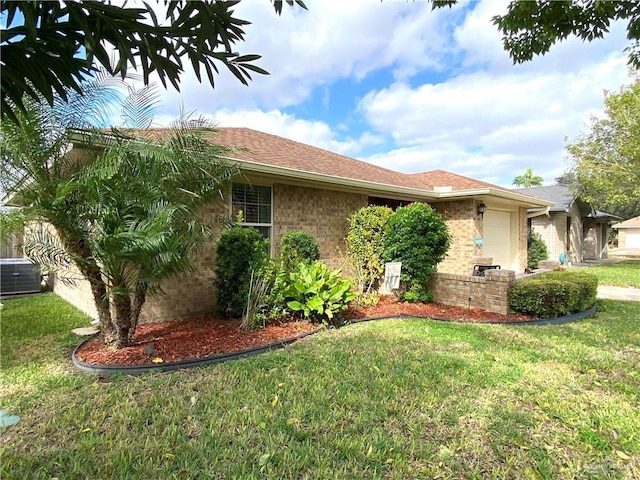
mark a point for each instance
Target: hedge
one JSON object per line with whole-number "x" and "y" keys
{"x": 554, "y": 294}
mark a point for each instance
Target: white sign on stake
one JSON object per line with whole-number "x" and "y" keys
{"x": 392, "y": 275}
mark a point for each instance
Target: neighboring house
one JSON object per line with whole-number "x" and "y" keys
{"x": 570, "y": 226}
{"x": 628, "y": 233}
{"x": 287, "y": 185}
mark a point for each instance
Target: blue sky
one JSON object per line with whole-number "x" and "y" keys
{"x": 404, "y": 87}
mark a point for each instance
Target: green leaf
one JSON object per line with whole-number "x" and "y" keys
{"x": 316, "y": 303}
{"x": 301, "y": 287}
{"x": 295, "y": 306}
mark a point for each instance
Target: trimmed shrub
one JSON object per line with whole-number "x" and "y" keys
{"x": 536, "y": 249}
{"x": 296, "y": 247}
{"x": 554, "y": 294}
{"x": 418, "y": 237}
{"x": 239, "y": 251}
{"x": 316, "y": 292}
{"x": 365, "y": 245}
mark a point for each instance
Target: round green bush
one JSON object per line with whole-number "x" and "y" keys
{"x": 297, "y": 247}
{"x": 238, "y": 251}
{"x": 536, "y": 249}
{"x": 365, "y": 245}
{"x": 418, "y": 237}
{"x": 554, "y": 294}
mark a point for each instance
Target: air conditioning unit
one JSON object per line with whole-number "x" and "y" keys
{"x": 18, "y": 275}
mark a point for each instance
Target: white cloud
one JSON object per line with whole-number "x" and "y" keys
{"x": 311, "y": 132}
{"x": 489, "y": 125}
{"x": 305, "y": 50}
{"x": 477, "y": 115}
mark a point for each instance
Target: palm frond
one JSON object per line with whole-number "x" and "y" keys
{"x": 45, "y": 249}
{"x": 139, "y": 106}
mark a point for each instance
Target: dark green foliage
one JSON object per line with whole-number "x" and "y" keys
{"x": 239, "y": 250}
{"x": 554, "y": 294}
{"x": 50, "y": 48}
{"x": 531, "y": 27}
{"x": 365, "y": 244}
{"x": 536, "y": 249}
{"x": 419, "y": 238}
{"x": 315, "y": 291}
{"x": 296, "y": 247}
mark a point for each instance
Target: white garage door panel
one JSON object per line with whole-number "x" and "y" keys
{"x": 497, "y": 237}
{"x": 632, "y": 240}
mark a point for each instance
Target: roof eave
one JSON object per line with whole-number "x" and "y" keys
{"x": 525, "y": 200}
{"x": 257, "y": 167}
{"x": 419, "y": 193}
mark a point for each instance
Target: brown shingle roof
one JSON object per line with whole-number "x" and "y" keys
{"x": 272, "y": 150}
{"x": 441, "y": 178}
{"x": 277, "y": 151}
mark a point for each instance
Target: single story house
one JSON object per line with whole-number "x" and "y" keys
{"x": 628, "y": 233}
{"x": 571, "y": 226}
{"x": 287, "y": 185}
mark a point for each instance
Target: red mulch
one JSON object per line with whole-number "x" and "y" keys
{"x": 389, "y": 305}
{"x": 200, "y": 338}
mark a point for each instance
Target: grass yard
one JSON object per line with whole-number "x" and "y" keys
{"x": 622, "y": 274}
{"x": 387, "y": 399}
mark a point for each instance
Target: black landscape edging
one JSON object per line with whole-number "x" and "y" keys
{"x": 172, "y": 366}
{"x": 543, "y": 321}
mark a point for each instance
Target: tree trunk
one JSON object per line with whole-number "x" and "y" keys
{"x": 123, "y": 326}
{"x": 108, "y": 325}
{"x": 138, "y": 301}
{"x": 89, "y": 268}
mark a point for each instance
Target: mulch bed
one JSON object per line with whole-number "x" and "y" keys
{"x": 205, "y": 337}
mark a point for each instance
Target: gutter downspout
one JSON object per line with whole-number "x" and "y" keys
{"x": 538, "y": 213}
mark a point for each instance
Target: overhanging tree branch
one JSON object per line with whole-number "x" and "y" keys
{"x": 49, "y": 48}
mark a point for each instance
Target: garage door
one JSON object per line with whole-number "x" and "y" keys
{"x": 632, "y": 240}
{"x": 497, "y": 237}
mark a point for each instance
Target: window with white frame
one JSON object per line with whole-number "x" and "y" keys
{"x": 255, "y": 202}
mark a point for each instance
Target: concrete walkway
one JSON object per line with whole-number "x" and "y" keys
{"x": 619, "y": 293}
{"x": 609, "y": 292}
{"x": 632, "y": 253}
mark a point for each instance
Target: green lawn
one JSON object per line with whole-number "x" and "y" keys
{"x": 622, "y": 274}
{"x": 387, "y": 399}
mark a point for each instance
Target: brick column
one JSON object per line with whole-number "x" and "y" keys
{"x": 497, "y": 290}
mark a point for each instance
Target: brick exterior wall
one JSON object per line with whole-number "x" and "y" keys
{"x": 490, "y": 292}
{"x": 522, "y": 238}
{"x": 464, "y": 224}
{"x": 322, "y": 213}
{"x": 553, "y": 230}
{"x": 77, "y": 294}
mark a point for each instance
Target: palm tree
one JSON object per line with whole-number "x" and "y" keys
{"x": 123, "y": 207}
{"x": 528, "y": 180}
